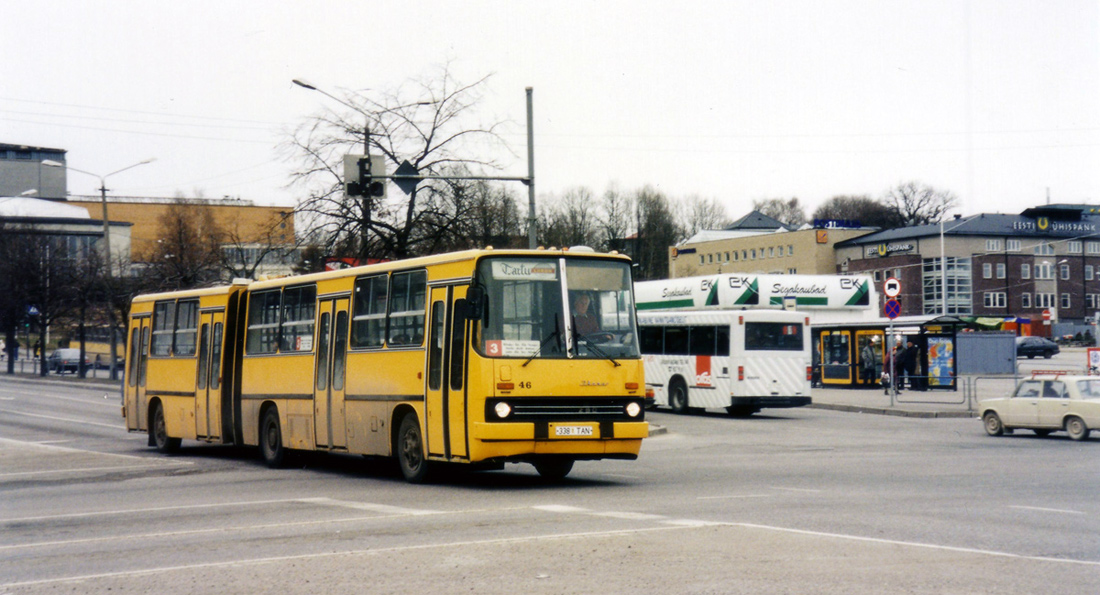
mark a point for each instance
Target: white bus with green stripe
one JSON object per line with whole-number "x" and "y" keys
{"x": 826, "y": 296}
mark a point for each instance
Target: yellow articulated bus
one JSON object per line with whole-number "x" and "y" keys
{"x": 481, "y": 357}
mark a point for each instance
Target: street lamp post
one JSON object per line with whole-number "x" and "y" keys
{"x": 106, "y": 245}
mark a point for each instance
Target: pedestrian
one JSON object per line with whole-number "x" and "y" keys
{"x": 898, "y": 361}
{"x": 911, "y": 357}
{"x": 37, "y": 348}
{"x": 869, "y": 361}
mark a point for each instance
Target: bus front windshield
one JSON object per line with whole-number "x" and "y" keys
{"x": 557, "y": 308}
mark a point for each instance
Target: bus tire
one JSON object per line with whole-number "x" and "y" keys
{"x": 271, "y": 439}
{"x": 159, "y": 431}
{"x": 410, "y": 450}
{"x": 553, "y": 469}
{"x": 678, "y": 396}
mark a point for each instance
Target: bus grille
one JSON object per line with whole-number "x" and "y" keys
{"x": 558, "y": 409}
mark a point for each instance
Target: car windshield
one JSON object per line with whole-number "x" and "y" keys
{"x": 1089, "y": 389}
{"x": 557, "y": 308}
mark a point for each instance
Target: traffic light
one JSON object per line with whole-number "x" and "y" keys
{"x": 359, "y": 176}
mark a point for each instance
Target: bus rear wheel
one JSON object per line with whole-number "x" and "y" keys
{"x": 271, "y": 439}
{"x": 161, "y": 440}
{"x": 410, "y": 451}
{"x": 678, "y": 396}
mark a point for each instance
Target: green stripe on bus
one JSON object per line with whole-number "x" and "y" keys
{"x": 670, "y": 304}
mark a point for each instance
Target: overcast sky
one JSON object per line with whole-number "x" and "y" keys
{"x": 997, "y": 101}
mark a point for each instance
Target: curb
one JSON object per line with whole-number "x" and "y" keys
{"x": 894, "y": 412}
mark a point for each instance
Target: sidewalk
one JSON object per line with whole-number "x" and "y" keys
{"x": 911, "y": 403}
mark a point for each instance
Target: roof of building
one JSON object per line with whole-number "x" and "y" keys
{"x": 758, "y": 221}
{"x": 1057, "y": 221}
{"x": 37, "y": 208}
{"x": 11, "y": 147}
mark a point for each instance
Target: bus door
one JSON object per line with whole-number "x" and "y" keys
{"x": 208, "y": 393}
{"x": 329, "y": 373}
{"x": 836, "y": 357}
{"x": 874, "y": 338}
{"x": 446, "y": 366}
{"x": 138, "y": 359}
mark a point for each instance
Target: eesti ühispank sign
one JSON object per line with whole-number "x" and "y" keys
{"x": 1053, "y": 227}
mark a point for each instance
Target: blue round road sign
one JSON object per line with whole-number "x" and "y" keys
{"x": 892, "y": 309}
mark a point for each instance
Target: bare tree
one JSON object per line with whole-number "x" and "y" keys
{"x": 657, "y": 230}
{"x": 246, "y": 251}
{"x": 571, "y": 220}
{"x": 617, "y": 217}
{"x": 918, "y": 204}
{"x": 698, "y": 214}
{"x": 862, "y": 208}
{"x": 429, "y": 122}
{"x": 786, "y": 210}
{"x": 188, "y": 253}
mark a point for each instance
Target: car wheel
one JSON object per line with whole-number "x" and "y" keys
{"x": 678, "y": 396}
{"x": 1031, "y": 356}
{"x": 1048, "y": 354}
{"x": 1076, "y": 428}
{"x": 554, "y": 469}
{"x": 410, "y": 451}
{"x": 993, "y": 425}
{"x": 161, "y": 439}
{"x": 271, "y": 439}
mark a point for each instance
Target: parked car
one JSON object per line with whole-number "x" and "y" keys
{"x": 1046, "y": 403}
{"x": 66, "y": 359}
{"x": 1036, "y": 346}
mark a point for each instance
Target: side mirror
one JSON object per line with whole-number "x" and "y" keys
{"x": 475, "y": 303}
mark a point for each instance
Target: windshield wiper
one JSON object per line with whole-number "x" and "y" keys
{"x": 591, "y": 345}
{"x": 555, "y": 333}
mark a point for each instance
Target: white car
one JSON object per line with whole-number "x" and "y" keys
{"x": 1044, "y": 404}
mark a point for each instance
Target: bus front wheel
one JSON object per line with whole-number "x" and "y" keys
{"x": 678, "y": 396}
{"x": 553, "y": 469}
{"x": 410, "y": 451}
{"x": 271, "y": 439}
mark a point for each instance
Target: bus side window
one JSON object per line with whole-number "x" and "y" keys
{"x": 676, "y": 340}
{"x": 652, "y": 339}
{"x": 723, "y": 338}
{"x": 702, "y": 340}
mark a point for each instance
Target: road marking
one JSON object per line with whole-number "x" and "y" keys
{"x": 136, "y": 511}
{"x": 1058, "y": 510}
{"x": 631, "y": 516}
{"x": 82, "y": 422}
{"x": 361, "y": 552}
{"x": 382, "y": 508}
{"x": 559, "y": 508}
{"x": 82, "y": 470}
{"x": 804, "y": 490}
{"x": 732, "y": 496}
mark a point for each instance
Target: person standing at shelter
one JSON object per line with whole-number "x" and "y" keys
{"x": 869, "y": 361}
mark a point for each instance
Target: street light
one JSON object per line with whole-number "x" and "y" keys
{"x": 106, "y": 243}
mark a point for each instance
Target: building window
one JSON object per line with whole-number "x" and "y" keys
{"x": 1044, "y": 249}
{"x": 752, "y": 253}
{"x": 1088, "y": 272}
{"x": 1073, "y": 247}
{"x": 735, "y": 255}
{"x": 1025, "y": 300}
{"x": 993, "y": 245}
{"x": 702, "y": 259}
{"x": 1065, "y": 301}
{"x": 1025, "y": 271}
{"x": 1012, "y": 245}
{"x": 1044, "y": 300}
{"x": 790, "y": 249}
{"x": 994, "y": 299}
{"x": 1092, "y": 300}
{"x": 771, "y": 253}
{"x": 987, "y": 270}
{"x": 959, "y": 294}
{"x": 744, "y": 255}
{"x": 727, "y": 256}
{"x": 1000, "y": 270}
{"x": 1093, "y": 247}
{"x": 1044, "y": 271}
{"x": 1064, "y": 270}
{"x": 878, "y": 276}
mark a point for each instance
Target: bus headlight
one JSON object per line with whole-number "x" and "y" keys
{"x": 503, "y": 410}
{"x": 633, "y": 409}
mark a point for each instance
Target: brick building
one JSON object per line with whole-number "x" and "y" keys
{"x": 1044, "y": 260}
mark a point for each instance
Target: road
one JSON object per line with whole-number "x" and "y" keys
{"x": 790, "y": 501}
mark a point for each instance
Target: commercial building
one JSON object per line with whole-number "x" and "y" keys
{"x": 1042, "y": 263}
{"x": 760, "y": 244}
{"x": 22, "y": 172}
